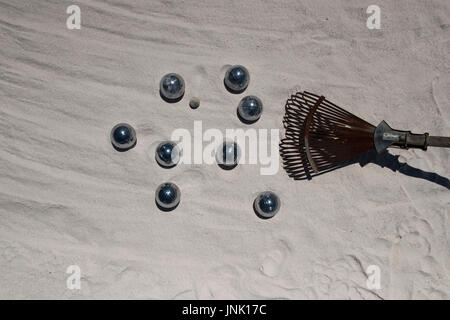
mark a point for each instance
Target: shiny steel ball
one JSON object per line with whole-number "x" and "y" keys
{"x": 167, "y": 196}
{"x": 266, "y": 204}
{"x": 167, "y": 154}
{"x": 237, "y": 78}
{"x": 171, "y": 87}
{"x": 228, "y": 154}
{"x": 249, "y": 109}
{"x": 123, "y": 137}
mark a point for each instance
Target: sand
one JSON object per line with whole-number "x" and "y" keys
{"x": 68, "y": 198}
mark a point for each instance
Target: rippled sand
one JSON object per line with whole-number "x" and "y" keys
{"x": 68, "y": 198}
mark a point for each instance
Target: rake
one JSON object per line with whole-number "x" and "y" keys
{"x": 320, "y": 136}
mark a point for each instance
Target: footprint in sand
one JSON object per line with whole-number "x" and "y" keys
{"x": 412, "y": 263}
{"x": 274, "y": 261}
{"x": 221, "y": 282}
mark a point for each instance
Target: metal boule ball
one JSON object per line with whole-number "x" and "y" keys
{"x": 237, "y": 78}
{"x": 228, "y": 155}
{"x": 167, "y": 196}
{"x": 123, "y": 137}
{"x": 266, "y": 204}
{"x": 249, "y": 109}
{"x": 172, "y": 87}
{"x": 167, "y": 154}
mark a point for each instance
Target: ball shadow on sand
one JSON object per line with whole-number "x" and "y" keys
{"x": 124, "y": 149}
{"x": 245, "y": 121}
{"x": 227, "y": 167}
{"x": 166, "y": 209}
{"x": 233, "y": 91}
{"x": 170, "y": 100}
{"x": 258, "y": 215}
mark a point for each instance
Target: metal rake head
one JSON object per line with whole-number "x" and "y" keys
{"x": 320, "y": 136}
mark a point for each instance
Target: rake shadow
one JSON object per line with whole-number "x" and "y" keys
{"x": 390, "y": 161}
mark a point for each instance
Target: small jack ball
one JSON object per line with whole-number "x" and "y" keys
{"x": 172, "y": 87}
{"x": 228, "y": 154}
{"x": 167, "y": 154}
{"x": 249, "y": 109}
{"x": 123, "y": 137}
{"x": 266, "y": 205}
{"x": 194, "y": 103}
{"x": 167, "y": 196}
{"x": 237, "y": 79}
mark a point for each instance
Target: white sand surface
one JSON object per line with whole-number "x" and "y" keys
{"x": 68, "y": 198}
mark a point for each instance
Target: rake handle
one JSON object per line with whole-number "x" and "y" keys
{"x": 385, "y": 136}
{"x": 443, "y": 142}
{"x": 422, "y": 141}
